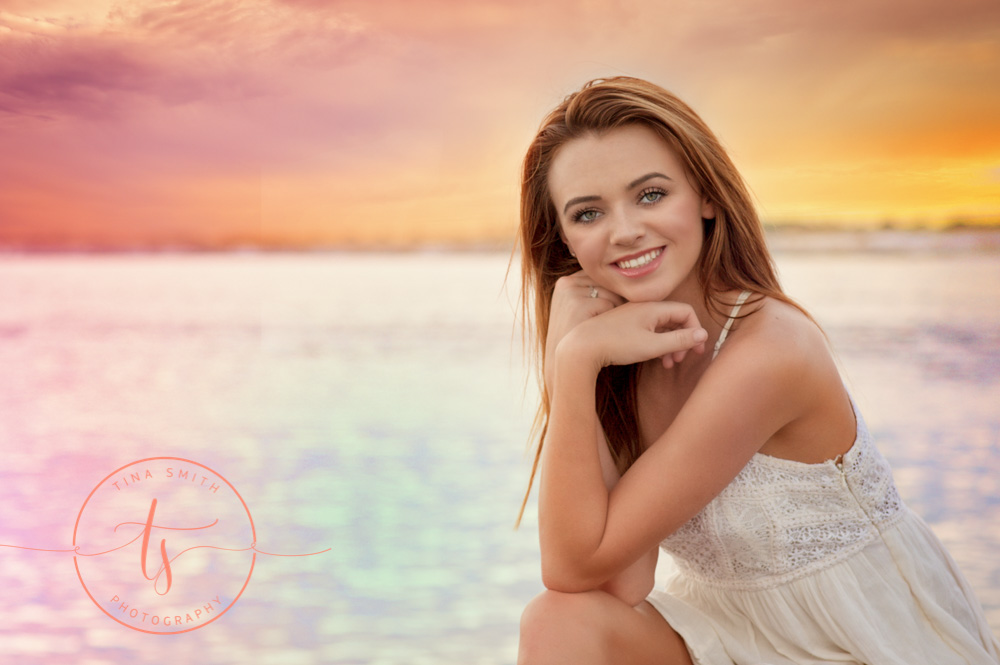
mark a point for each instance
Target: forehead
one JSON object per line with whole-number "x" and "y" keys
{"x": 596, "y": 162}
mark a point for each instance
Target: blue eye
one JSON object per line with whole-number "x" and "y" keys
{"x": 587, "y": 215}
{"x": 651, "y": 196}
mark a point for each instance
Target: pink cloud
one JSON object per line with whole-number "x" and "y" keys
{"x": 172, "y": 53}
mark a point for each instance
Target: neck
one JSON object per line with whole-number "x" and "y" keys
{"x": 691, "y": 293}
{"x": 694, "y": 364}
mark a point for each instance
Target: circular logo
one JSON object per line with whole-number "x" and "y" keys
{"x": 164, "y": 545}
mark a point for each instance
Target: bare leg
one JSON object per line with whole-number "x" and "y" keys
{"x": 595, "y": 627}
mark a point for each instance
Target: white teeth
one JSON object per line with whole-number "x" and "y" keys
{"x": 641, "y": 260}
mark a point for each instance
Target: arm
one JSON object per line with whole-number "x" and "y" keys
{"x": 572, "y": 305}
{"x": 589, "y": 533}
{"x": 634, "y": 583}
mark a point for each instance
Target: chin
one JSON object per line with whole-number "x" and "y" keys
{"x": 651, "y": 291}
{"x": 646, "y": 296}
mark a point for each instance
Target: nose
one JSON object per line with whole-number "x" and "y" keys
{"x": 626, "y": 228}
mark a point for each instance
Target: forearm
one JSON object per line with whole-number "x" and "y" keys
{"x": 573, "y": 497}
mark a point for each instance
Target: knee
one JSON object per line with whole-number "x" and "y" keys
{"x": 555, "y": 625}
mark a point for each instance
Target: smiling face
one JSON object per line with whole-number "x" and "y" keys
{"x": 628, "y": 211}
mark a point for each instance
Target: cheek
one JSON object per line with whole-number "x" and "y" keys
{"x": 587, "y": 247}
{"x": 562, "y": 232}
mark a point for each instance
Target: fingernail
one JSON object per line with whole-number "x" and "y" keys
{"x": 700, "y": 335}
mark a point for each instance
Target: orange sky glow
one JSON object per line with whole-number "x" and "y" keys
{"x": 303, "y": 123}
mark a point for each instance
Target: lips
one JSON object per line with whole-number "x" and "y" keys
{"x": 641, "y": 260}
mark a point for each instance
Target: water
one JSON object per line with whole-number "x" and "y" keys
{"x": 375, "y": 404}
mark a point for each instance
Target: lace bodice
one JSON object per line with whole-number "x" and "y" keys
{"x": 779, "y": 520}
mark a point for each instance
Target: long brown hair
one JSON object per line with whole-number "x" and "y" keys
{"x": 734, "y": 256}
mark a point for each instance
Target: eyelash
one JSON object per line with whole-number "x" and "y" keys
{"x": 578, "y": 215}
{"x": 651, "y": 190}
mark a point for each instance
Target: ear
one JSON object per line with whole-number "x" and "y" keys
{"x": 707, "y": 209}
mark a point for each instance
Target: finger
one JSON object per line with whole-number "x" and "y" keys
{"x": 599, "y": 292}
{"x": 573, "y": 281}
{"x": 578, "y": 278}
{"x": 615, "y": 299}
{"x": 669, "y": 345}
{"x": 611, "y": 296}
{"x": 674, "y": 316}
{"x": 678, "y": 342}
{"x": 581, "y": 279}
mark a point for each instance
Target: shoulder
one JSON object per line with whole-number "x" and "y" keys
{"x": 781, "y": 356}
{"x": 776, "y": 348}
{"x": 766, "y": 378}
{"x": 772, "y": 330}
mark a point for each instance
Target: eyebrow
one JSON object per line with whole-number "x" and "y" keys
{"x": 649, "y": 176}
{"x": 579, "y": 199}
{"x": 632, "y": 185}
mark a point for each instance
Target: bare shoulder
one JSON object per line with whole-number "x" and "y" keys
{"x": 773, "y": 331}
{"x": 784, "y": 347}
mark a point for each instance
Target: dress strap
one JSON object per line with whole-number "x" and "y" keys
{"x": 729, "y": 324}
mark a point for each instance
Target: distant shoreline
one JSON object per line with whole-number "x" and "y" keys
{"x": 781, "y": 238}
{"x": 964, "y": 239}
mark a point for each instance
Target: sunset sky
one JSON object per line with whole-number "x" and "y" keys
{"x": 312, "y": 122}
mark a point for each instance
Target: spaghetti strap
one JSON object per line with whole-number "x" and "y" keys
{"x": 732, "y": 316}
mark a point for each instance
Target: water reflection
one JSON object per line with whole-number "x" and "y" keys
{"x": 375, "y": 404}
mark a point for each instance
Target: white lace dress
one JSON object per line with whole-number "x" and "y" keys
{"x": 819, "y": 563}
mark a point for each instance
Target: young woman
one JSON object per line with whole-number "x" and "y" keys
{"x": 688, "y": 404}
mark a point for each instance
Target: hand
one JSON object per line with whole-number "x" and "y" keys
{"x": 637, "y": 332}
{"x": 572, "y": 303}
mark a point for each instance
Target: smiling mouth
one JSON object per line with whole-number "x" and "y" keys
{"x": 640, "y": 261}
